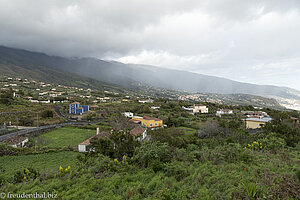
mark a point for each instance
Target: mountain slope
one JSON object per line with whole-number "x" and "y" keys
{"x": 133, "y": 75}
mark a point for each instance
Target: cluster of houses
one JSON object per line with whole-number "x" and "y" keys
{"x": 139, "y": 132}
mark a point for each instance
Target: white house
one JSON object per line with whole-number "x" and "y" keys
{"x": 224, "y": 112}
{"x": 128, "y": 114}
{"x": 155, "y": 107}
{"x": 84, "y": 146}
{"x": 139, "y": 133}
{"x": 196, "y": 108}
{"x": 146, "y": 101}
{"x": 200, "y": 108}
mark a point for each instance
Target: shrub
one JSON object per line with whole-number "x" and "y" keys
{"x": 172, "y": 136}
{"x": 2, "y": 177}
{"x": 47, "y": 114}
{"x": 25, "y": 175}
{"x": 176, "y": 169}
{"x": 298, "y": 174}
{"x": 273, "y": 143}
{"x": 253, "y": 191}
{"x": 233, "y": 152}
{"x": 25, "y": 121}
{"x": 152, "y": 151}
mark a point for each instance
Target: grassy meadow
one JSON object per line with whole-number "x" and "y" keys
{"x": 64, "y": 137}
{"x": 49, "y": 162}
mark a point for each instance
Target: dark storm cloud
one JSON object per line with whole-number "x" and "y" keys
{"x": 253, "y": 41}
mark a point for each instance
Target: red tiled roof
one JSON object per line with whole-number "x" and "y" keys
{"x": 151, "y": 118}
{"x": 101, "y": 135}
{"x": 137, "y": 131}
{"x": 134, "y": 121}
{"x": 75, "y": 103}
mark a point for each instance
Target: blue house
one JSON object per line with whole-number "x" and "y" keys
{"x": 76, "y": 108}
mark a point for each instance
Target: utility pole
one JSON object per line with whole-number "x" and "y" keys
{"x": 37, "y": 118}
{"x": 17, "y": 123}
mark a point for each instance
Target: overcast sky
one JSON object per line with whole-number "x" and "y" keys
{"x": 256, "y": 41}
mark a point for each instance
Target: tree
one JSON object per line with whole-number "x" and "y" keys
{"x": 152, "y": 151}
{"x": 121, "y": 122}
{"x": 6, "y": 97}
{"x": 47, "y": 114}
{"x": 118, "y": 144}
{"x": 211, "y": 128}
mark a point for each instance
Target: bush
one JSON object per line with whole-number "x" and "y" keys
{"x": 47, "y": 114}
{"x": 232, "y": 153}
{"x": 176, "y": 169}
{"x": 211, "y": 128}
{"x": 298, "y": 174}
{"x": 172, "y": 136}
{"x": 253, "y": 191}
{"x": 273, "y": 143}
{"x": 149, "y": 152}
{"x": 2, "y": 177}
{"x": 25, "y": 175}
{"x": 25, "y": 121}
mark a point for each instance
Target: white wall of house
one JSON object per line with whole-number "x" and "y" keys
{"x": 128, "y": 114}
{"x": 81, "y": 148}
{"x": 201, "y": 109}
{"x": 143, "y": 136}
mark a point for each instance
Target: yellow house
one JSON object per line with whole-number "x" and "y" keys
{"x": 149, "y": 122}
{"x": 254, "y": 123}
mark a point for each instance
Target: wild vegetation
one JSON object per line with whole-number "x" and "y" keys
{"x": 197, "y": 156}
{"x": 221, "y": 160}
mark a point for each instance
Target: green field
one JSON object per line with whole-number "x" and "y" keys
{"x": 64, "y": 137}
{"x": 187, "y": 130}
{"x": 49, "y": 162}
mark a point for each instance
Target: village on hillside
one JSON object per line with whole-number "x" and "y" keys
{"x": 62, "y": 104}
{"x": 61, "y": 123}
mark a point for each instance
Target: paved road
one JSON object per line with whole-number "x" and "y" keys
{"x": 57, "y": 110}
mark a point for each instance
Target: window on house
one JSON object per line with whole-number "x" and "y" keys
{"x": 155, "y": 124}
{"x": 151, "y": 124}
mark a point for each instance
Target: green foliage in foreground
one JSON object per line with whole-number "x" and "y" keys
{"x": 220, "y": 161}
{"x": 159, "y": 170}
{"x": 48, "y": 162}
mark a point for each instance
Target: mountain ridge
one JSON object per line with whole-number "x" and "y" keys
{"x": 132, "y": 75}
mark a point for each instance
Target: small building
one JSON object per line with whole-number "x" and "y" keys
{"x": 255, "y": 114}
{"x": 295, "y": 120}
{"x": 149, "y": 122}
{"x": 85, "y": 145}
{"x": 155, "y": 107}
{"x": 17, "y": 141}
{"x": 76, "y": 108}
{"x": 255, "y": 123}
{"x": 139, "y": 133}
{"x": 128, "y": 114}
{"x": 94, "y": 107}
{"x": 146, "y": 101}
{"x": 196, "y": 108}
{"x": 224, "y": 112}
